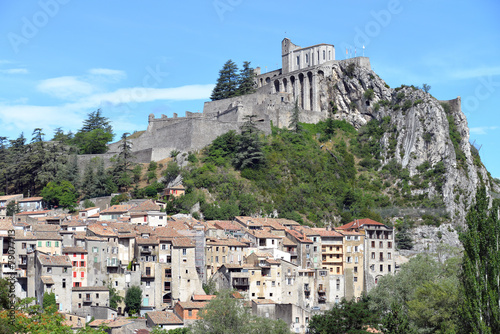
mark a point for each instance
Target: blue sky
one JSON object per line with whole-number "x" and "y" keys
{"x": 61, "y": 59}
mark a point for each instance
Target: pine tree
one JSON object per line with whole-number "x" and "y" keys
{"x": 247, "y": 79}
{"x": 481, "y": 267}
{"x": 249, "y": 150}
{"x": 227, "y": 83}
{"x": 294, "y": 119}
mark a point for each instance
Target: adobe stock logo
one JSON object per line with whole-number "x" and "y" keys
{"x": 373, "y": 28}
{"x": 483, "y": 91}
{"x": 31, "y": 26}
{"x": 223, "y": 6}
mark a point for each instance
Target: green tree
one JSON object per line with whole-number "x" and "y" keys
{"x": 396, "y": 321}
{"x": 481, "y": 266}
{"x": 249, "y": 152}
{"x": 114, "y": 297}
{"x": 345, "y": 317}
{"x": 227, "y": 83}
{"x": 12, "y": 208}
{"x": 171, "y": 172}
{"x": 94, "y": 135}
{"x": 49, "y": 302}
{"x": 294, "y": 119}
{"x": 60, "y": 194}
{"x": 246, "y": 80}
{"x": 133, "y": 299}
{"x": 426, "y": 88}
{"x": 227, "y": 315}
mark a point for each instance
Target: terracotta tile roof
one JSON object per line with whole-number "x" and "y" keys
{"x": 192, "y": 305}
{"x": 78, "y": 250}
{"x": 167, "y": 233}
{"x": 95, "y": 215}
{"x": 146, "y": 241}
{"x": 116, "y": 209}
{"x": 6, "y": 225}
{"x": 299, "y": 236}
{"x": 323, "y": 232}
{"x": 358, "y": 223}
{"x": 225, "y": 242}
{"x": 24, "y": 235}
{"x": 116, "y": 323}
{"x": 80, "y": 235}
{"x": 47, "y": 280}
{"x": 102, "y": 230}
{"x": 182, "y": 242}
{"x": 247, "y": 221}
{"x": 75, "y": 223}
{"x": 88, "y": 209}
{"x": 90, "y": 288}
{"x": 48, "y": 236}
{"x": 33, "y": 213}
{"x": 164, "y": 318}
{"x": 54, "y": 260}
{"x": 30, "y": 199}
{"x": 9, "y": 197}
{"x": 145, "y": 206}
{"x": 288, "y": 242}
{"x": 263, "y": 234}
{"x": 46, "y": 228}
{"x": 226, "y": 225}
{"x": 203, "y": 297}
{"x": 345, "y": 232}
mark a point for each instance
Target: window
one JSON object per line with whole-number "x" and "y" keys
{"x": 95, "y": 259}
{"x": 273, "y": 283}
{"x": 57, "y": 243}
{"x": 381, "y": 244}
{"x": 372, "y": 267}
{"x": 389, "y": 244}
{"x": 148, "y": 284}
{"x": 314, "y": 239}
{"x": 116, "y": 283}
{"x": 270, "y": 294}
{"x": 184, "y": 251}
{"x": 349, "y": 259}
{"x": 348, "y": 249}
{"x": 258, "y": 283}
{"x": 338, "y": 284}
{"x": 307, "y": 247}
{"x": 74, "y": 274}
{"x": 82, "y": 263}
{"x": 389, "y": 268}
{"x": 39, "y": 244}
{"x": 296, "y": 320}
{"x": 217, "y": 259}
{"x": 338, "y": 270}
{"x": 190, "y": 313}
{"x": 163, "y": 246}
{"x": 216, "y": 249}
{"x": 65, "y": 270}
{"x": 75, "y": 263}
{"x": 79, "y": 305}
{"x": 80, "y": 295}
{"x": 355, "y": 278}
{"x": 83, "y": 256}
{"x": 356, "y": 259}
{"x": 373, "y": 255}
{"x": 381, "y": 267}
{"x": 324, "y": 55}
{"x": 355, "y": 270}
{"x": 307, "y": 58}
{"x": 47, "y": 243}
{"x": 23, "y": 245}
{"x": 49, "y": 269}
{"x": 298, "y": 60}
{"x": 64, "y": 283}
{"x": 381, "y": 256}
{"x": 373, "y": 244}
{"x": 83, "y": 274}
{"x": 389, "y": 256}
{"x": 95, "y": 249}
{"x": 355, "y": 248}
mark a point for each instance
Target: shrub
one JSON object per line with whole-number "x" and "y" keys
{"x": 369, "y": 94}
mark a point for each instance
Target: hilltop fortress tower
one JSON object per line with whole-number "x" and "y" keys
{"x": 303, "y": 78}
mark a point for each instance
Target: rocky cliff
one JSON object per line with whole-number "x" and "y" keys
{"x": 422, "y": 132}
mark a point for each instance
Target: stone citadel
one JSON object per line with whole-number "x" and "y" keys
{"x": 302, "y": 77}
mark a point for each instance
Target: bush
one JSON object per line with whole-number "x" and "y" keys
{"x": 369, "y": 94}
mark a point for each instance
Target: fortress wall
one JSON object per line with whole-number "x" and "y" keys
{"x": 359, "y": 61}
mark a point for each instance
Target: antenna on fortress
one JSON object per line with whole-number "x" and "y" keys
{"x": 363, "y": 50}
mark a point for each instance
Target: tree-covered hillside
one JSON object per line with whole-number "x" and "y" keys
{"x": 325, "y": 172}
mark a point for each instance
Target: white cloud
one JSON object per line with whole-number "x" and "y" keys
{"x": 482, "y": 130}
{"x": 15, "y": 71}
{"x": 67, "y": 87}
{"x": 476, "y": 72}
{"x": 142, "y": 94}
{"x": 115, "y": 75}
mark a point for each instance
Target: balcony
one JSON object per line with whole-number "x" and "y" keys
{"x": 240, "y": 282}
{"x": 87, "y": 299}
{"x": 321, "y": 291}
{"x": 146, "y": 250}
{"x": 147, "y": 275}
{"x": 113, "y": 262}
